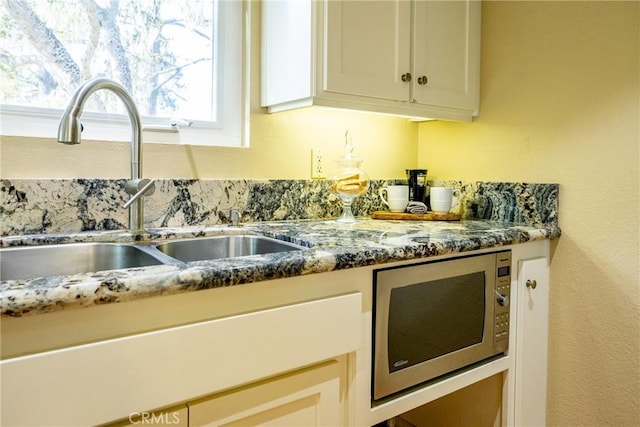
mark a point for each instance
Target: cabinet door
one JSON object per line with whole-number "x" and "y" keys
{"x": 368, "y": 48}
{"x": 530, "y": 400}
{"x": 310, "y": 397}
{"x": 446, "y": 56}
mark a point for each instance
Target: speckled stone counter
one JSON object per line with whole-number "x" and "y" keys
{"x": 46, "y": 212}
{"x": 330, "y": 246}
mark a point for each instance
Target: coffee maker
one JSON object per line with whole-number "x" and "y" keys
{"x": 417, "y": 184}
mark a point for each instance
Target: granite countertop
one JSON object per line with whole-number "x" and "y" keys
{"x": 331, "y": 246}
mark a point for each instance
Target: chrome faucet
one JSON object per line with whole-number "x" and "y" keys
{"x": 69, "y": 132}
{"x": 235, "y": 218}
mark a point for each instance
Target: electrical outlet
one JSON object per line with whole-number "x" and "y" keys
{"x": 317, "y": 165}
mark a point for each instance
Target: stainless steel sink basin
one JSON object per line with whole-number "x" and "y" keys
{"x": 39, "y": 261}
{"x": 30, "y": 262}
{"x": 205, "y": 248}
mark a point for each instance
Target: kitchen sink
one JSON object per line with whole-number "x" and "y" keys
{"x": 38, "y": 261}
{"x": 219, "y": 247}
{"x": 30, "y": 262}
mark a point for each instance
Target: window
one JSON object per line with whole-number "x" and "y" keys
{"x": 181, "y": 61}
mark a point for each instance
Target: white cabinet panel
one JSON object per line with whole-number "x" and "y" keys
{"x": 310, "y": 397}
{"x": 368, "y": 45}
{"x": 286, "y": 52}
{"x": 530, "y": 400}
{"x": 446, "y": 53}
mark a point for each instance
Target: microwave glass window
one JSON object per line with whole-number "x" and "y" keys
{"x": 458, "y": 316}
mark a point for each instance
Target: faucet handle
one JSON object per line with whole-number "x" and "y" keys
{"x": 235, "y": 217}
{"x": 138, "y": 188}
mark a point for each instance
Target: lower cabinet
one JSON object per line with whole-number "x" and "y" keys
{"x": 311, "y": 397}
{"x": 530, "y": 394}
{"x": 303, "y": 359}
{"x": 307, "y": 397}
{"x": 281, "y": 351}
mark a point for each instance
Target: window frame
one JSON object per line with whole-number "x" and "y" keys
{"x": 232, "y": 129}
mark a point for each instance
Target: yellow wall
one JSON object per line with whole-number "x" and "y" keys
{"x": 560, "y": 103}
{"x": 280, "y": 146}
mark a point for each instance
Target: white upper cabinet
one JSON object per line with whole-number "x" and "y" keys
{"x": 446, "y": 54}
{"x": 368, "y": 48}
{"x": 418, "y": 59}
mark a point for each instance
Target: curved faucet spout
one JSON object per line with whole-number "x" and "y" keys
{"x": 70, "y": 129}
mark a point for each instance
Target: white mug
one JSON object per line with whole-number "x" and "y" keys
{"x": 442, "y": 199}
{"x": 396, "y": 197}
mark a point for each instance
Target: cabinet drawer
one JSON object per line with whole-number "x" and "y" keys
{"x": 108, "y": 380}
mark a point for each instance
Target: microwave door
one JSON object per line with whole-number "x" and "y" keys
{"x": 431, "y": 319}
{"x": 454, "y": 319}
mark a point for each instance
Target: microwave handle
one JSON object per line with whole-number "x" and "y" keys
{"x": 503, "y": 300}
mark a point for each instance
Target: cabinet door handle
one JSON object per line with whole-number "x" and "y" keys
{"x": 531, "y": 284}
{"x": 422, "y": 80}
{"x": 406, "y": 77}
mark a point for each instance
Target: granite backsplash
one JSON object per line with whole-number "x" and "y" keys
{"x": 45, "y": 206}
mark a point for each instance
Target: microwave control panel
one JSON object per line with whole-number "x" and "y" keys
{"x": 503, "y": 295}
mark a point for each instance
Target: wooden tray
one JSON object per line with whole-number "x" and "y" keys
{"x": 429, "y": 216}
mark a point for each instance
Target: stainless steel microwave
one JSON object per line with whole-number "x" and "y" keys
{"x": 434, "y": 318}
